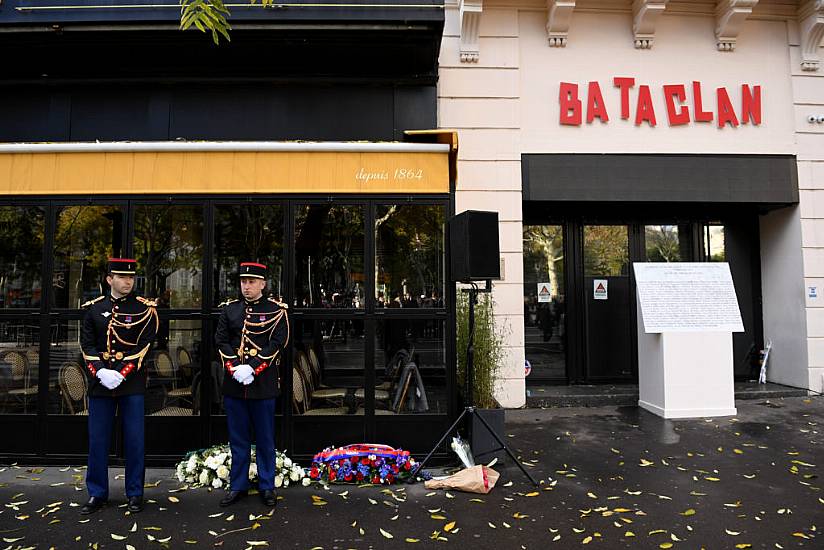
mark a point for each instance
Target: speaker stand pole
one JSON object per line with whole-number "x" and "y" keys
{"x": 469, "y": 410}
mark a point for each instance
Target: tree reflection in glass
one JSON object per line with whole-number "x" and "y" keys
{"x": 21, "y": 256}
{"x": 329, "y": 245}
{"x": 247, "y": 233}
{"x": 85, "y": 238}
{"x": 168, "y": 247}
{"x": 409, "y": 258}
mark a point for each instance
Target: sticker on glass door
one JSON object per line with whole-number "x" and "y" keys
{"x": 600, "y": 289}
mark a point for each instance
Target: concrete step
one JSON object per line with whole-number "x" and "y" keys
{"x": 623, "y": 395}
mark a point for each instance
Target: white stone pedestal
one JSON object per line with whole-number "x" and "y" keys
{"x": 685, "y": 374}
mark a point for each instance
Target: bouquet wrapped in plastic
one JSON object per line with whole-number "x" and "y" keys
{"x": 362, "y": 463}
{"x": 477, "y": 479}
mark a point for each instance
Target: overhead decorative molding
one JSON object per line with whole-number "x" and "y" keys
{"x": 645, "y": 14}
{"x": 470, "y": 11}
{"x": 811, "y": 25}
{"x": 729, "y": 18}
{"x": 558, "y": 19}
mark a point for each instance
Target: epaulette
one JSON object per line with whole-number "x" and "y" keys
{"x": 227, "y": 302}
{"x": 90, "y": 302}
{"x": 284, "y": 305}
{"x": 146, "y": 301}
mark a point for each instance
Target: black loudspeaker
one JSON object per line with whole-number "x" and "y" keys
{"x": 474, "y": 249}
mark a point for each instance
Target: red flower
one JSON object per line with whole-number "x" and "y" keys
{"x": 406, "y": 466}
{"x": 331, "y": 475}
{"x": 364, "y": 461}
{"x": 348, "y": 477}
{"x": 389, "y": 478}
{"x": 313, "y": 473}
{"x": 395, "y": 468}
{"x": 354, "y": 460}
{"x": 376, "y": 479}
{"x": 360, "y": 476}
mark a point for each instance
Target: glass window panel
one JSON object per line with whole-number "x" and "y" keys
{"x": 329, "y": 245}
{"x": 606, "y": 251}
{"x": 544, "y": 301}
{"x": 409, "y": 255}
{"x": 168, "y": 247}
{"x": 667, "y": 243}
{"x": 410, "y": 367}
{"x": 714, "y": 248}
{"x": 85, "y": 238}
{"x": 19, "y": 364}
{"x": 174, "y": 369}
{"x": 247, "y": 233}
{"x": 69, "y": 379}
{"x": 328, "y": 368}
{"x": 21, "y": 256}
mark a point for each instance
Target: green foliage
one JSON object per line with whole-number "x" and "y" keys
{"x": 210, "y": 16}
{"x": 488, "y": 348}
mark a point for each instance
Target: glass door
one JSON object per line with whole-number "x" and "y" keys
{"x": 545, "y": 334}
{"x": 609, "y": 296}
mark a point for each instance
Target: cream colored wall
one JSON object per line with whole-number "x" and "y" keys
{"x": 808, "y": 98}
{"x": 507, "y": 104}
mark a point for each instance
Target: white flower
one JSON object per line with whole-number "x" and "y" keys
{"x": 204, "y": 477}
{"x": 221, "y": 458}
{"x": 212, "y": 463}
{"x": 278, "y": 481}
{"x": 190, "y": 479}
{"x": 253, "y": 470}
{"x": 306, "y": 481}
{"x": 279, "y": 463}
{"x": 217, "y": 483}
{"x": 294, "y": 476}
{"x": 181, "y": 476}
{"x": 287, "y": 462}
{"x": 191, "y": 465}
{"x": 222, "y": 472}
{"x": 286, "y": 482}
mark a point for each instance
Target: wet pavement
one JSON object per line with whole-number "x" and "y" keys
{"x": 611, "y": 477}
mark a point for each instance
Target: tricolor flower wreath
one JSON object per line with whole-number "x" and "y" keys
{"x": 363, "y": 463}
{"x": 210, "y": 468}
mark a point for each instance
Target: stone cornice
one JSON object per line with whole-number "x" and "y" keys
{"x": 645, "y": 14}
{"x": 729, "y": 18}
{"x": 559, "y": 17}
{"x": 811, "y": 27}
{"x": 470, "y": 12}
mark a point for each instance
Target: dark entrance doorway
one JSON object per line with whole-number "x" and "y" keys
{"x": 584, "y": 330}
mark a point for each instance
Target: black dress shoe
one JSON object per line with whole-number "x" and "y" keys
{"x": 135, "y": 504}
{"x": 232, "y": 497}
{"x": 269, "y": 498}
{"x": 93, "y": 505}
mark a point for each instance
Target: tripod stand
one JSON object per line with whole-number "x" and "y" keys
{"x": 469, "y": 411}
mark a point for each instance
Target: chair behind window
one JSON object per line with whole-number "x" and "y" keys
{"x": 74, "y": 388}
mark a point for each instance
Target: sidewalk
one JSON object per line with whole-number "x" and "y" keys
{"x": 610, "y": 478}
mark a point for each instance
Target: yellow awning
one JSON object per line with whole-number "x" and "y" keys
{"x": 167, "y": 168}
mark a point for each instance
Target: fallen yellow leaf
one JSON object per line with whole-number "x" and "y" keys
{"x": 386, "y": 534}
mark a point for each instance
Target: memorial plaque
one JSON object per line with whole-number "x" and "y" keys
{"x": 687, "y": 297}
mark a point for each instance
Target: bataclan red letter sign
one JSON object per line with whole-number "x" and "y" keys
{"x": 675, "y": 99}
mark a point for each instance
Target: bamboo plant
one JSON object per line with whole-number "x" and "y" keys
{"x": 488, "y": 348}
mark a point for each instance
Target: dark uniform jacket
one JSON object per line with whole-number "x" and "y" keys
{"x": 117, "y": 334}
{"x": 253, "y": 333}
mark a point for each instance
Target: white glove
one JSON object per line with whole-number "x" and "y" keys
{"x": 242, "y": 372}
{"x": 110, "y": 378}
{"x": 248, "y": 380}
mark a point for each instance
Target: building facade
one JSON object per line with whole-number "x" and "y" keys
{"x": 607, "y": 132}
{"x": 297, "y": 145}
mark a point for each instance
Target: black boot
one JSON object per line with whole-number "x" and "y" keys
{"x": 135, "y": 504}
{"x": 269, "y": 498}
{"x": 93, "y": 505}
{"x": 232, "y": 497}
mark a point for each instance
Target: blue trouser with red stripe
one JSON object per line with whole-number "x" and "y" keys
{"x": 242, "y": 415}
{"x": 101, "y": 421}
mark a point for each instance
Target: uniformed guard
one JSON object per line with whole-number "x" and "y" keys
{"x": 118, "y": 330}
{"x": 251, "y": 335}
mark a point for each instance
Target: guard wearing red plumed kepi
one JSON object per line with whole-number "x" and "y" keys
{"x": 251, "y": 335}
{"x": 118, "y": 330}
